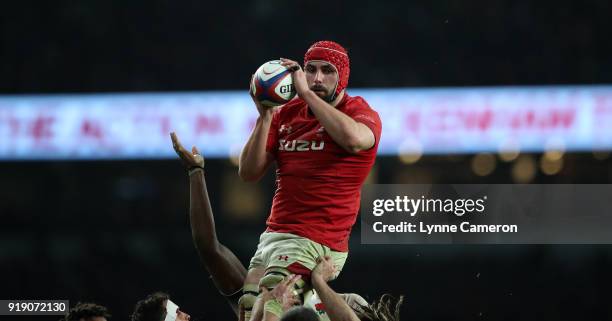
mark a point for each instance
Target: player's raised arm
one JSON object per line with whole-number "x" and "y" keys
{"x": 226, "y": 270}
{"x": 335, "y": 306}
{"x": 351, "y": 135}
{"x": 254, "y": 159}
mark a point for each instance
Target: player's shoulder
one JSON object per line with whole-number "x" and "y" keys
{"x": 357, "y": 102}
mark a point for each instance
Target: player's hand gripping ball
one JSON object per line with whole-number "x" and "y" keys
{"x": 272, "y": 84}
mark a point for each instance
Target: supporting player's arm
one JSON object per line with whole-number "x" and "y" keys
{"x": 351, "y": 135}
{"x": 226, "y": 270}
{"x": 254, "y": 159}
{"x": 335, "y": 306}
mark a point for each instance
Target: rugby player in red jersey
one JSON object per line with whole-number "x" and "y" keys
{"x": 228, "y": 273}
{"x": 324, "y": 144}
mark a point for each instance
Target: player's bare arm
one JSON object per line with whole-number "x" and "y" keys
{"x": 254, "y": 159}
{"x": 351, "y": 135}
{"x": 226, "y": 270}
{"x": 335, "y": 306}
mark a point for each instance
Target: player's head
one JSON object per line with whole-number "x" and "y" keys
{"x": 327, "y": 69}
{"x": 300, "y": 313}
{"x": 158, "y": 307}
{"x": 385, "y": 309}
{"x": 87, "y": 312}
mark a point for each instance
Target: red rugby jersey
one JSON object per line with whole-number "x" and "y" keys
{"x": 318, "y": 183}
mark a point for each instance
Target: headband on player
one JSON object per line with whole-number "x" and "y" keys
{"x": 171, "y": 309}
{"x": 336, "y": 55}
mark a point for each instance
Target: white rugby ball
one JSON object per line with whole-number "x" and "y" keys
{"x": 272, "y": 84}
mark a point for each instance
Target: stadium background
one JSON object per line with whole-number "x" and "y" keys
{"x": 114, "y": 231}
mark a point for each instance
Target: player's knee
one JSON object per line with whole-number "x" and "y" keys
{"x": 270, "y": 280}
{"x": 247, "y": 301}
{"x": 276, "y": 276}
{"x": 249, "y": 296}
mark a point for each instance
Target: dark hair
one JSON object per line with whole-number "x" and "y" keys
{"x": 85, "y": 311}
{"x": 300, "y": 314}
{"x": 151, "y": 308}
{"x": 381, "y": 310}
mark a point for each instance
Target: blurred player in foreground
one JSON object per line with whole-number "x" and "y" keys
{"x": 228, "y": 273}
{"x": 158, "y": 307}
{"x": 324, "y": 144}
{"x": 87, "y": 312}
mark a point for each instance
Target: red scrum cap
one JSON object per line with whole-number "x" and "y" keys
{"x": 336, "y": 55}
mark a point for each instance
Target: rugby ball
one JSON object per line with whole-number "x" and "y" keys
{"x": 272, "y": 84}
